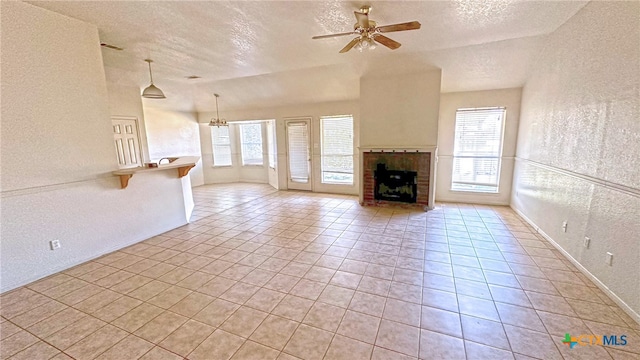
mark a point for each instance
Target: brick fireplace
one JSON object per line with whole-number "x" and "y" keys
{"x": 398, "y": 177}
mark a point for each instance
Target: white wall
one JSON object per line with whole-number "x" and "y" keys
{"x": 171, "y": 134}
{"x": 214, "y": 175}
{"x": 52, "y": 90}
{"x": 272, "y": 171}
{"x": 579, "y": 140}
{"x": 400, "y": 110}
{"x": 58, "y": 153}
{"x": 449, "y": 104}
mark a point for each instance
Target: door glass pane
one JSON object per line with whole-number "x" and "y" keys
{"x": 298, "y": 143}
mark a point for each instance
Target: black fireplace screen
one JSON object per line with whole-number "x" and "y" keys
{"x": 395, "y": 185}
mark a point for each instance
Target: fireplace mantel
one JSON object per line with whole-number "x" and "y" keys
{"x": 429, "y": 149}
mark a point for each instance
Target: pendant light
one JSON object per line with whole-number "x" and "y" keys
{"x": 152, "y": 92}
{"x": 216, "y": 121}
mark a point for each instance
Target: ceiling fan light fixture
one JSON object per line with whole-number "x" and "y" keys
{"x": 372, "y": 43}
{"x": 152, "y": 91}
{"x": 365, "y": 43}
{"x": 216, "y": 121}
{"x": 369, "y": 34}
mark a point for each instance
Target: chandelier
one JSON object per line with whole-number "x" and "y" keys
{"x": 216, "y": 121}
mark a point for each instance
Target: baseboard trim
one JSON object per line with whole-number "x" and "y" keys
{"x": 472, "y": 201}
{"x": 626, "y": 308}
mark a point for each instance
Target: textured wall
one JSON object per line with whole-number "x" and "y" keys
{"x": 579, "y": 141}
{"x": 393, "y": 107}
{"x": 67, "y": 86}
{"x": 58, "y": 153}
{"x": 174, "y": 133}
{"x": 449, "y": 104}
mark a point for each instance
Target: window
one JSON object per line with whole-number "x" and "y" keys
{"x": 221, "y": 146}
{"x": 477, "y": 149}
{"x": 271, "y": 143}
{"x": 337, "y": 149}
{"x": 251, "y": 143}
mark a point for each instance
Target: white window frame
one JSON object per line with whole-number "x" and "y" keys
{"x": 221, "y": 145}
{"x": 322, "y": 152}
{"x": 241, "y": 127}
{"x": 477, "y": 186}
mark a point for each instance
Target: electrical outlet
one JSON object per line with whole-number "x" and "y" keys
{"x": 55, "y": 244}
{"x": 564, "y": 226}
{"x": 609, "y": 259}
{"x": 587, "y": 242}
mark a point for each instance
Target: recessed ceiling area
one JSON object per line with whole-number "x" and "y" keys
{"x": 260, "y": 53}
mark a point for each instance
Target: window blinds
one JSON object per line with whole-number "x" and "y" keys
{"x": 251, "y": 142}
{"x": 477, "y": 149}
{"x": 337, "y": 149}
{"x": 221, "y": 146}
{"x": 298, "y": 139}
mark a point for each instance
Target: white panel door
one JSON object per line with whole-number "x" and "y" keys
{"x": 127, "y": 142}
{"x": 299, "y": 154}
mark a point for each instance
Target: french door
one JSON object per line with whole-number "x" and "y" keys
{"x": 298, "y": 153}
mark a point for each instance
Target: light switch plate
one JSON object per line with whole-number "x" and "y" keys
{"x": 609, "y": 259}
{"x": 54, "y": 244}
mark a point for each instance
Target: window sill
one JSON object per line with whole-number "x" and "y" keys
{"x": 474, "y": 192}
{"x": 253, "y": 165}
{"x": 221, "y": 166}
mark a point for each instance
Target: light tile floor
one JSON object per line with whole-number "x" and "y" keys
{"x": 262, "y": 274}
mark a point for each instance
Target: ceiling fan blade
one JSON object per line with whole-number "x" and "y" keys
{"x": 350, "y": 45}
{"x": 391, "y": 44}
{"x": 333, "y": 35}
{"x": 413, "y": 25}
{"x": 363, "y": 19}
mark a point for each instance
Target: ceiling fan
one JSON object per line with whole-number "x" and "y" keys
{"x": 368, "y": 32}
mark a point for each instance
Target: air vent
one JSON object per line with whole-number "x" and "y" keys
{"x": 193, "y": 77}
{"x": 112, "y": 47}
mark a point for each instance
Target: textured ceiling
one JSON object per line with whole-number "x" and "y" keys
{"x": 260, "y": 53}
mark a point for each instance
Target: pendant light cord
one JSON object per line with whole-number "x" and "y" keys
{"x": 217, "y": 113}
{"x": 150, "y": 74}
